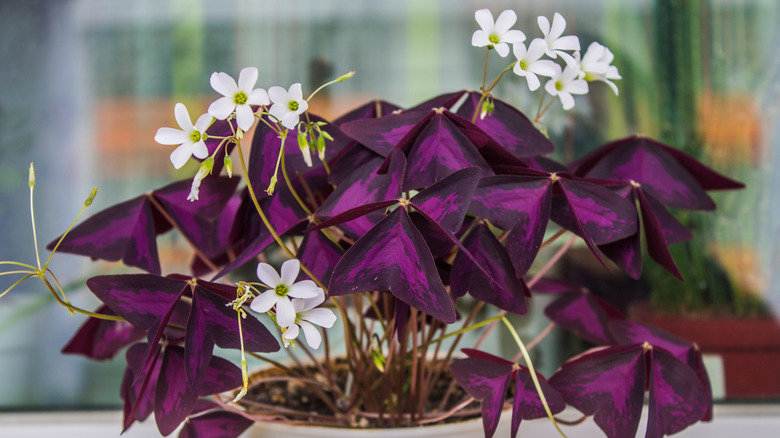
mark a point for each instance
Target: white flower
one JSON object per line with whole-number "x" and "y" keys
{"x": 237, "y": 97}
{"x": 556, "y": 44}
{"x": 496, "y": 34}
{"x": 306, "y": 316}
{"x": 595, "y": 65}
{"x": 288, "y": 105}
{"x": 281, "y": 289}
{"x": 189, "y": 137}
{"x": 203, "y": 171}
{"x": 565, "y": 83}
{"x": 528, "y": 63}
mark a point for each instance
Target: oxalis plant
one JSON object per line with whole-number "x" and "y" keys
{"x": 387, "y": 218}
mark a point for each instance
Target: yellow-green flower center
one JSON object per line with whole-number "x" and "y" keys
{"x": 281, "y": 290}
{"x": 293, "y": 105}
{"x": 240, "y": 98}
{"x": 196, "y": 136}
{"x": 493, "y": 39}
{"x": 523, "y": 64}
{"x": 558, "y": 85}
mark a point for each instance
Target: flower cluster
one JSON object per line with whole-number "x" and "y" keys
{"x": 571, "y": 78}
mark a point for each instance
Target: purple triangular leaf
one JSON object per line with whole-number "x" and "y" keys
{"x": 507, "y": 292}
{"x": 677, "y": 398}
{"x": 101, "y": 339}
{"x": 486, "y": 381}
{"x": 198, "y": 344}
{"x": 393, "y": 256}
{"x": 320, "y": 254}
{"x": 174, "y": 399}
{"x": 656, "y": 242}
{"x": 215, "y": 424}
{"x": 126, "y": 232}
{"x": 527, "y": 404}
{"x": 138, "y": 398}
{"x": 381, "y": 135}
{"x": 442, "y": 101}
{"x": 447, "y": 201}
{"x": 370, "y": 110}
{"x": 509, "y": 127}
{"x": 608, "y": 384}
{"x": 604, "y": 215}
{"x": 221, "y": 375}
{"x": 584, "y": 314}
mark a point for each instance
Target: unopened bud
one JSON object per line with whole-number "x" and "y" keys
{"x": 91, "y": 197}
{"x": 326, "y": 135}
{"x": 345, "y": 76}
{"x": 229, "y": 165}
{"x": 31, "y": 179}
{"x": 303, "y": 142}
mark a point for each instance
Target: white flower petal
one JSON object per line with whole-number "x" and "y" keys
{"x": 558, "y": 25}
{"x": 310, "y": 303}
{"x": 245, "y": 117}
{"x": 322, "y": 317}
{"x": 302, "y": 106}
{"x": 278, "y": 95}
{"x": 258, "y": 96}
{"x": 533, "y": 81}
{"x": 295, "y": 92}
{"x": 263, "y": 302}
{"x": 285, "y": 312}
{"x": 312, "y": 335}
{"x": 518, "y": 70}
{"x": 303, "y": 289}
{"x": 203, "y": 122}
{"x": 544, "y": 24}
{"x": 170, "y": 136}
{"x": 222, "y": 108}
{"x": 550, "y": 87}
{"x": 484, "y": 19}
{"x": 200, "y": 150}
{"x": 536, "y": 49}
{"x": 183, "y": 117}
{"x": 278, "y": 110}
{"x": 480, "y": 39}
{"x": 502, "y": 49}
{"x": 267, "y": 275}
{"x": 566, "y": 100}
{"x": 513, "y": 37}
{"x": 543, "y": 67}
{"x": 505, "y": 21}
{"x": 569, "y": 42}
{"x": 292, "y": 332}
{"x": 519, "y": 50}
{"x": 181, "y": 154}
{"x": 247, "y": 78}
{"x": 223, "y": 84}
{"x": 290, "y": 120}
{"x": 577, "y": 86}
{"x": 290, "y": 270}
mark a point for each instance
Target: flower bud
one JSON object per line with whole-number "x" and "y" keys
{"x": 345, "y": 76}
{"x": 91, "y": 197}
{"x": 229, "y": 165}
{"x": 31, "y": 179}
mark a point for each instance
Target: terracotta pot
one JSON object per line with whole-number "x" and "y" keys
{"x": 748, "y": 347}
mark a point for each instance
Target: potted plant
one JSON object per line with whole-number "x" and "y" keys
{"x": 381, "y": 222}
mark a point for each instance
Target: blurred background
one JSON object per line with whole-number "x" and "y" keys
{"x": 85, "y": 84}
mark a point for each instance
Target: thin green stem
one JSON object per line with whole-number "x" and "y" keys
{"x": 32, "y": 219}
{"x": 77, "y": 309}
{"x": 338, "y": 79}
{"x": 532, "y": 372}
{"x": 539, "y": 114}
{"x": 18, "y": 264}
{"x": 464, "y": 330}
{"x": 291, "y": 188}
{"x": 272, "y": 184}
{"x": 72, "y": 224}
{"x": 16, "y": 283}
{"x": 498, "y": 78}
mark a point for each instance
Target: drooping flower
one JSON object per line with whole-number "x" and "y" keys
{"x": 189, "y": 138}
{"x": 528, "y": 63}
{"x": 306, "y": 316}
{"x": 237, "y": 97}
{"x": 288, "y": 105}
{"x": 281, "y": 289}
{"x": 596, "y": 65}
{"x": 205, "y": 169}
{"x": 564, "y": 83}
{"x": 556, "y": 44}
{"x": 496, "y": 35}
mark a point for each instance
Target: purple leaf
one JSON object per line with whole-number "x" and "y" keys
{"x": 447, "y": 201}
{"x": 486, "y": 381}
{"x": 507, "y": 292}
{"x": 101, "y": 339}
{"x": 199, "y": 222}
{"x": 608, "y": 384}
{"x": 383, "y": 134}
{"x": 139, "y": 397}
{"x": 215, "y": 424}
{"x": 604, "y": 215}
{"x": 442, "y": 101}
{"x": 527, "y": 405}
{"x": 584, "y": 314}
{"x": 125, "y": 232}
{"x": 393, "y": 256}
{"x": 677, "y": 398}
{"x": 221, "y": 375}
{"x": 437, "y": 151}
{"x": 370, "y": 110}
{"x": 509, "y": 127}
{"x": 320, "y": 254}
{"x": 174, "y": 399}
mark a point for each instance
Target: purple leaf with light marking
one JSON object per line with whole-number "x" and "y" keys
{"x": 373, "y": 109}
{"x": 509, "y": 127}
{"x": 527, "y": 405}
{"x": 383, "y": 134}
{"x": 320, "y": 254}
{"x": 608, "y": 384}
{"x": 486, "y": 381}
{"x": 447, "y": 201}
{"x": 393, "y": 256}
{"x": 507, "y": 292}
{"x": 138, "y": 398}
{"x": 584, "y": 314}
{"x": 215, "y": 424}
{"x": 101, "y": 339}
{"x": 126, "y": 232}
{"x": 675, "y": 179}
{"x": 173, "y": 397}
